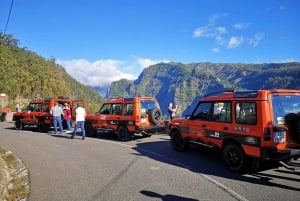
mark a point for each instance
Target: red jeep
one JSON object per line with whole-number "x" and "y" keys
{"x": 126, "y": 116}
{"x": 38, "y": 113}
{"x": 247, "y": 126}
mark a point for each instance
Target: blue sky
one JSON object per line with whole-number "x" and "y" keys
{"x": 100, "y": 41}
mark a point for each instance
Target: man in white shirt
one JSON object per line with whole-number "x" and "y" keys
{"x": 80, "y": 119}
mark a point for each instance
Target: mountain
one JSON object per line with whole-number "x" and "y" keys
{"x": 185, "y": 84}
{"x": 102, "y": 90}
{"x": 24, "y": 76}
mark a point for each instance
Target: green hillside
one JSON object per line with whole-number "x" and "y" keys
{"x": 24, "y": 76}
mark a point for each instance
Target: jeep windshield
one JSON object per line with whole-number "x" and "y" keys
{"x": 285, "y": 107}
{"x": 34, "y": 107}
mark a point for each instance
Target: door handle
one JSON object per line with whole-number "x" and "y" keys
{"x": 225, "y": 128}
{"x": 203, "y": 126}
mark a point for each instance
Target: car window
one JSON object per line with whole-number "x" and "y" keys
{"x": 285, "y": 107}
{"x": 221, "y": 112}
{"x": 128, "y": 109}
{"x": 117, "y": 109}
{"x": 34, "y": 107}
{"x": 148, "y": 105}
{"x": 46, "y": 107}
{"x": 245, "y": 113}
{"x": 202, "y": 112}
{"x": 105, "y": 109}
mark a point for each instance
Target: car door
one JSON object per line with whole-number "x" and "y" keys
{"x": 196, "y": 123}
{"x": 220, "y": 121}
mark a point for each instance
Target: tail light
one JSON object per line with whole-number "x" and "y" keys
{"x": 279, "y": 134}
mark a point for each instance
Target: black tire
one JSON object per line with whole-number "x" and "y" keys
{"x": 147, "y": 134}
{"x": 155, "y": 115}
{"x": 295, "y": 128}
{"x": 42, "y": 127}
{"x": 177, "y": 141}
{"x": 18, "y": 125}
{"x": 90, "y": 131}
{"x": 123, "y": 133}
{"x": 234, "y": 157}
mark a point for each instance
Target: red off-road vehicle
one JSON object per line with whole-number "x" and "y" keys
{"x": 38, "y": 114}
{"x": 247, "y": 126}
{"x": 127, "y": 116}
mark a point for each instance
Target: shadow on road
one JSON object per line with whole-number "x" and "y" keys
{"x": 209, "y": 162}
{"x": 167, "y": 197}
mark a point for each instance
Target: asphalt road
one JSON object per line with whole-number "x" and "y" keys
{"x": 103, "y": 168}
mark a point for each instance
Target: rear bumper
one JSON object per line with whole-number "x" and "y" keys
{"x": 150, "y": 129}
{"x": 277, "y": 155}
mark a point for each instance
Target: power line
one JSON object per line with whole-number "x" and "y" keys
{"x": 11, "y": 6}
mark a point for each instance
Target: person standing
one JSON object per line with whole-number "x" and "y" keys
{"x": 172, "y": 110}
{"x": 80, "y": 119}
{"x": 5, "y": 111}
{"x": 57, "y": 113}
{"x": 67, "y": 117}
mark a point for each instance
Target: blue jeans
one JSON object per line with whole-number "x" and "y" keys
{"x": 57, "y": 119}
{"x": 68, "y": 122}
{"x": 81, "y": 125}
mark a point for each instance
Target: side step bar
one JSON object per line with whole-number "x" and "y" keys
{"x": 202, "y": 144}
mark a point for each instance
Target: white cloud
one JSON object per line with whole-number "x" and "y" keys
{"x": 256, "y": 39}
{"x": 234, "y": 42}
{"x": 210, "y": 30}
{"x": 200, "y": 32}
{"x": 240, "y": 25}
{"x": 144, "y": 63}
{"x": 223, "y": 36}
{"x": 98, "y": 73}
{"x": 103, "y": 72}
{"x": 287, "y": 61}
{"x": 216, "y": 49}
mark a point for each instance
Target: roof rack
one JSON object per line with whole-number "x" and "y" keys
{"x": 128, "y": 99}
{"x": 245, "y": 94}
{"x": 218, "y": 93}
{"x": 63, "y": 97}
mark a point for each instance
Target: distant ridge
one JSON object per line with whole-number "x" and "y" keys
{"x": 184, "y": 84}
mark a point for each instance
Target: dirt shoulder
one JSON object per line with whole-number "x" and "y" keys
{"x": 14, "y": 177}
